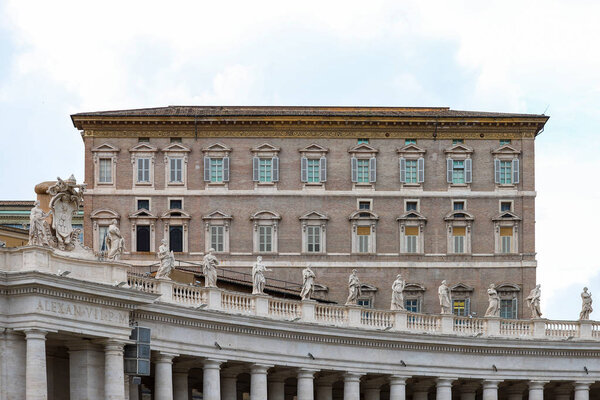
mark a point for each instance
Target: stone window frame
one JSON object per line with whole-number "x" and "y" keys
{"x": 135, "y": 204}
{"x": 176, "y": 218}
{"x": 462, "y": 291}
{"x": 314, "y": 218}
{"x": 412, "y": 219}
{"x": 506, "y": 219}
{"x": 105, "y": 151}
{"x": 176, "y": 198}
{"x": 265, "y": 150}
{"x": 415, "y": 291}
{"x": 506, "y": 152}
{"x": 459, "y": 152}
{"x": 357, "y": 220}
{"x": 411, "y": 152}
{"x": 217, "y": 218}
{"x": 101, "y": 217}
{"x": 176, "y": 150}
{"x": 453, "y": 221}
{"x": 410, "y": 200}
{"x": 216, "y": 150}
{"x": 265, "y": 218}
{"x": 145, "y": 218}
{"x": 368, "y": 292}
{"x": 363, "y": 151}
{"x": 510, "y": 291}
{"x": 313, "y": 152}
{"x": 143, "y": 150}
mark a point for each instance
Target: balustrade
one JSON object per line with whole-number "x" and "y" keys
{"x": 142, "y": 283}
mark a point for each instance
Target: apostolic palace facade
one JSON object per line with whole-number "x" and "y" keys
{"x": 433, "y": 209}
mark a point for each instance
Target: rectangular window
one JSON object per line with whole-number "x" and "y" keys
{"x": 411, "y": 233}
{"x": 143, "y": 204}
{"x": 313, "y": 239}
{"x": 506, "y": 239}
{"x": 175, "y": 170}
{"x": 460, "y": 308}
{"x": 458, "y": 171}
{"x": 458, "y": 237}
{"x": 508, "y": 308}
{"x": 411, "y": 206}
{"x": 216, "y": 237}
{"x": 105, "y": 171}
{"x": 364, "y": 205}
{"x": 457, "y": 141}
{"x": 410, "y": 141}
{"x": 175, "y": 204}
{"x": 365, "y": 302}
{"x": 102, "y": 231}
{"x": 506, "y": 172}
{"x": 176, "y": 238}
{"x": 313, "y": 171}
{"x": 175, "y": 140}
{"x": 363, "y": 140}
{"x": 458, "y": 205}
{"x": 411, "y": 305}
{"x": 411, "y": 171}
{"x": 363, "y": 233}
{"x": 265, "y": 239}
{"x": 216, "y": 170}
{"x": 142, "y": 238}
{"x": 143, "y": 170}
{"x": 504, "y": 141}
{"x": 265, "y": 170}
{"x": 363, "y": 170}
{"x": 505, "y": 206}
{"x": 144, "y": 140}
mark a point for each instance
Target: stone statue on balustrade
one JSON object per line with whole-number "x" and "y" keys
{"x": 444, "y": 295}
{"x": 114, "y": 241}
{"x": 586, "y": 305}
{"x": 66, "y": 198}
{"x": 38, "y": 226}
{"x": 398, "y": 293}
{"x": 308, "y": 283}
{"x": 533, "y": 302}
{"x": 258, "y": 276}
{"x": 209, "y": 269}
{"x": 493, "y": 309}
{"x": 167, "y": 261}
{"x": 353, "y": 288}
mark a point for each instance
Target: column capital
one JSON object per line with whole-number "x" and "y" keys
{"x": 582, "y": 385}
{"x": 165, "y": 357}
{"x": 444, "y": 382}
{"x": 491, "y": 383}
{"x": 113, "y": 345}
{"x": 352, "y": 376}
{"x": 537, "y": 384}
{"x": 260, "y": 368}
{"x": 35, "y": 333}
{"x": 398, "y": 379}
{"x": 307, "y": 373}
{"x": 212, "y": 363}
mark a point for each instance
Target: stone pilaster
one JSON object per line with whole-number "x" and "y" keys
{"x": 35, "y": 365}
{"x": 582, "y": 390}
{"x": 536, "y": 390}
{"x": 228, "y": 385}
{"x": 212, "y": 379}
{"x": 258, "y": 381}
{"x": 352, "y": 386}
{"x": 305, "y": 384}
{"x": 398, "y": 387}
{"x": 490, "y": 389}
{"x": 444, "y": 389}
{"x": 180, "y": 383}
{"x": 163, "y": 376}
{"x": 114, "y": 375}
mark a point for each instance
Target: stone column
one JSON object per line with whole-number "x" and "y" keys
{"x": 258, "y": 381}
{"x": 421, "y": 390}
{"x": 324, "y": 390}
{"x": 372, "y": 393}
{"x": 229, "y": 385}
{"x": 276, "y": 388}
{"x": 398, "y": 387}
{"x": 180, "y": 383}
{"x": 468, "y": 391}
{"x": 444, "y": 389}
{"x": 562, "y": 392}
{"x": 490, "y": 390}
{"x": 35, "y": 365}
{"x": 12, "y": 354}
{"x": 351, "y": 386}
{"x": 86, "y": 370}
{"x": 536, "y": 390}
{"x": 582, "y": 390}
{"x": 114, "y": 375}
{"x": 212, "y": 380}
{"x": 134, "y": 390}
{"x": 163, "y": 376}
{"x": 306, "y": 389}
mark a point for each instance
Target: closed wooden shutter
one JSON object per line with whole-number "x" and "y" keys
{"x": 255, "y": 164}
{"x": 421, "y": 170}
{"x": 323, "y": 169}
{"x": 411, "y": 231}
{"x": 275, "y": 166}
{"x": 402, "y": 169}
{"x": 206, "y": 169}
{"x": 459, "y": 231}
{"x": 496, "y": 170}
{"x": 515, "y": 170}
{"x": 373, "y": 169}
{"x": 449, "y": 165}
{"x": 506, "y": 231}
{"x": 304, "y": 169}
{"x": 468, "y": 170}
{"x": 354, "y": 168}
{"x": 363, "y": 230}
{"x": 225, "y": 169}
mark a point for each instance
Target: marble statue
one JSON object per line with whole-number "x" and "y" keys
{"x": 493, "y": 309}
{"x": 586, "y": 304}
{"x": 398, "y": 293}
{"x": 38, "y": 227}
{"x": 167, "y": 261}
{"x": 209, "y": 268}
{"x": 533, "y": 302}
{"x": 258, "y": 276}
{"x": 444, "y": 295}
{"x": 353, "y": 288}
{"x": 308, "y": 283}
{"x": 114, "y": 241}
{"x": 66, "y": 198}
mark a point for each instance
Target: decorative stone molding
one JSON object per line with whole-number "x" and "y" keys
{"x": 408, "y": 222}
{"x": 176, "y": 218}
{"x": 267, "y": 219}
{"x": 143, "y": 217}
{"x": 139, "y": 152}
{"x": 220, "y": 220}
{"x": 362, "y": 220}
{"x": 363, "y": 152}
{"x": 457, "y": 222}
{"x": 265, "y": 151}
{"x": 459, "y": 152}
{"x": 413, "y": 153}
{"x": 105, "y": 151}
{"x": 312, "y": 219}
{"x": 176, "y": 151}
{"x": 101, "y": 219}
{"x": 313, "y": 152}
{"x": 216, "y": 151}
{"x": 506, "y": 222}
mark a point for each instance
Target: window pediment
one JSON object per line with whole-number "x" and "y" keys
{"x": 363, "y": 215}
{"x": 506, "y": 216}
{"x": 175, "y": 214}
{"x": 265, "y": 215}
{"x": 105, "y": 213}
{"x": 460, "y": 215}
{"x": 414, "y": 287}
{"x": 314, "y": 216}
{"x": 506, "y": 150}
{"x": 176, "y": 148}
{"x": 459, "y": 149}
{"x": 411, "y": 150}
{"x": 412, "y": 215}
{"x": 143, "y": 148}
{"x": 317, "y": 287}
{"x": 314, "y": 149}
{"x": 105, "y": 148}
{"x": 265, "y": 148}
{"x": 508, "y": 287}
{"x": 365, "y": 287}
{"x": 217, "y": 215}
{"x": 143, "y": 213}
{"x": 217, "y": 149}
{"x": 461, "y": 287}
{"x": 363, "y": 149}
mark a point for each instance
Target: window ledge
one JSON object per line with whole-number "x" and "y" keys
{"x": 143, "y": 184}
{"x": 175, "y": 184}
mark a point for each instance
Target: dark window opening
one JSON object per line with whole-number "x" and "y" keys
{"x": 142, "y": 235}
{"x": 411, "y": 206}
{"x": 176, "y": 238}
{"x": 459, "y": 205}
{"x": 175, "y": 204}
{"x": 364, "y": 205}
{"x": 143, "y": 204}
{"x": 505, "y": 206}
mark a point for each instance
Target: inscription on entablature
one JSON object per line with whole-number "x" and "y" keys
{"x": 82, "y": 312}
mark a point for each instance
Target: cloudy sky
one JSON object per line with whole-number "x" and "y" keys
{"x": 62, "y": 57}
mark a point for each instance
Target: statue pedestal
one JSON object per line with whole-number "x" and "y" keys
{"x": 308, "y": 311}
{"x": 165, "y": 288}
{"x": 261, "y": 305}
{"x": 493, "y": 326}
{"x": 354, "y": 312}
{"x": 447, "y": 323}
{"x": 213, "y": 298}
{"x": 400, "y": 321}
{"x": 585, "y": 329}
{"x": 539, "y": 327}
